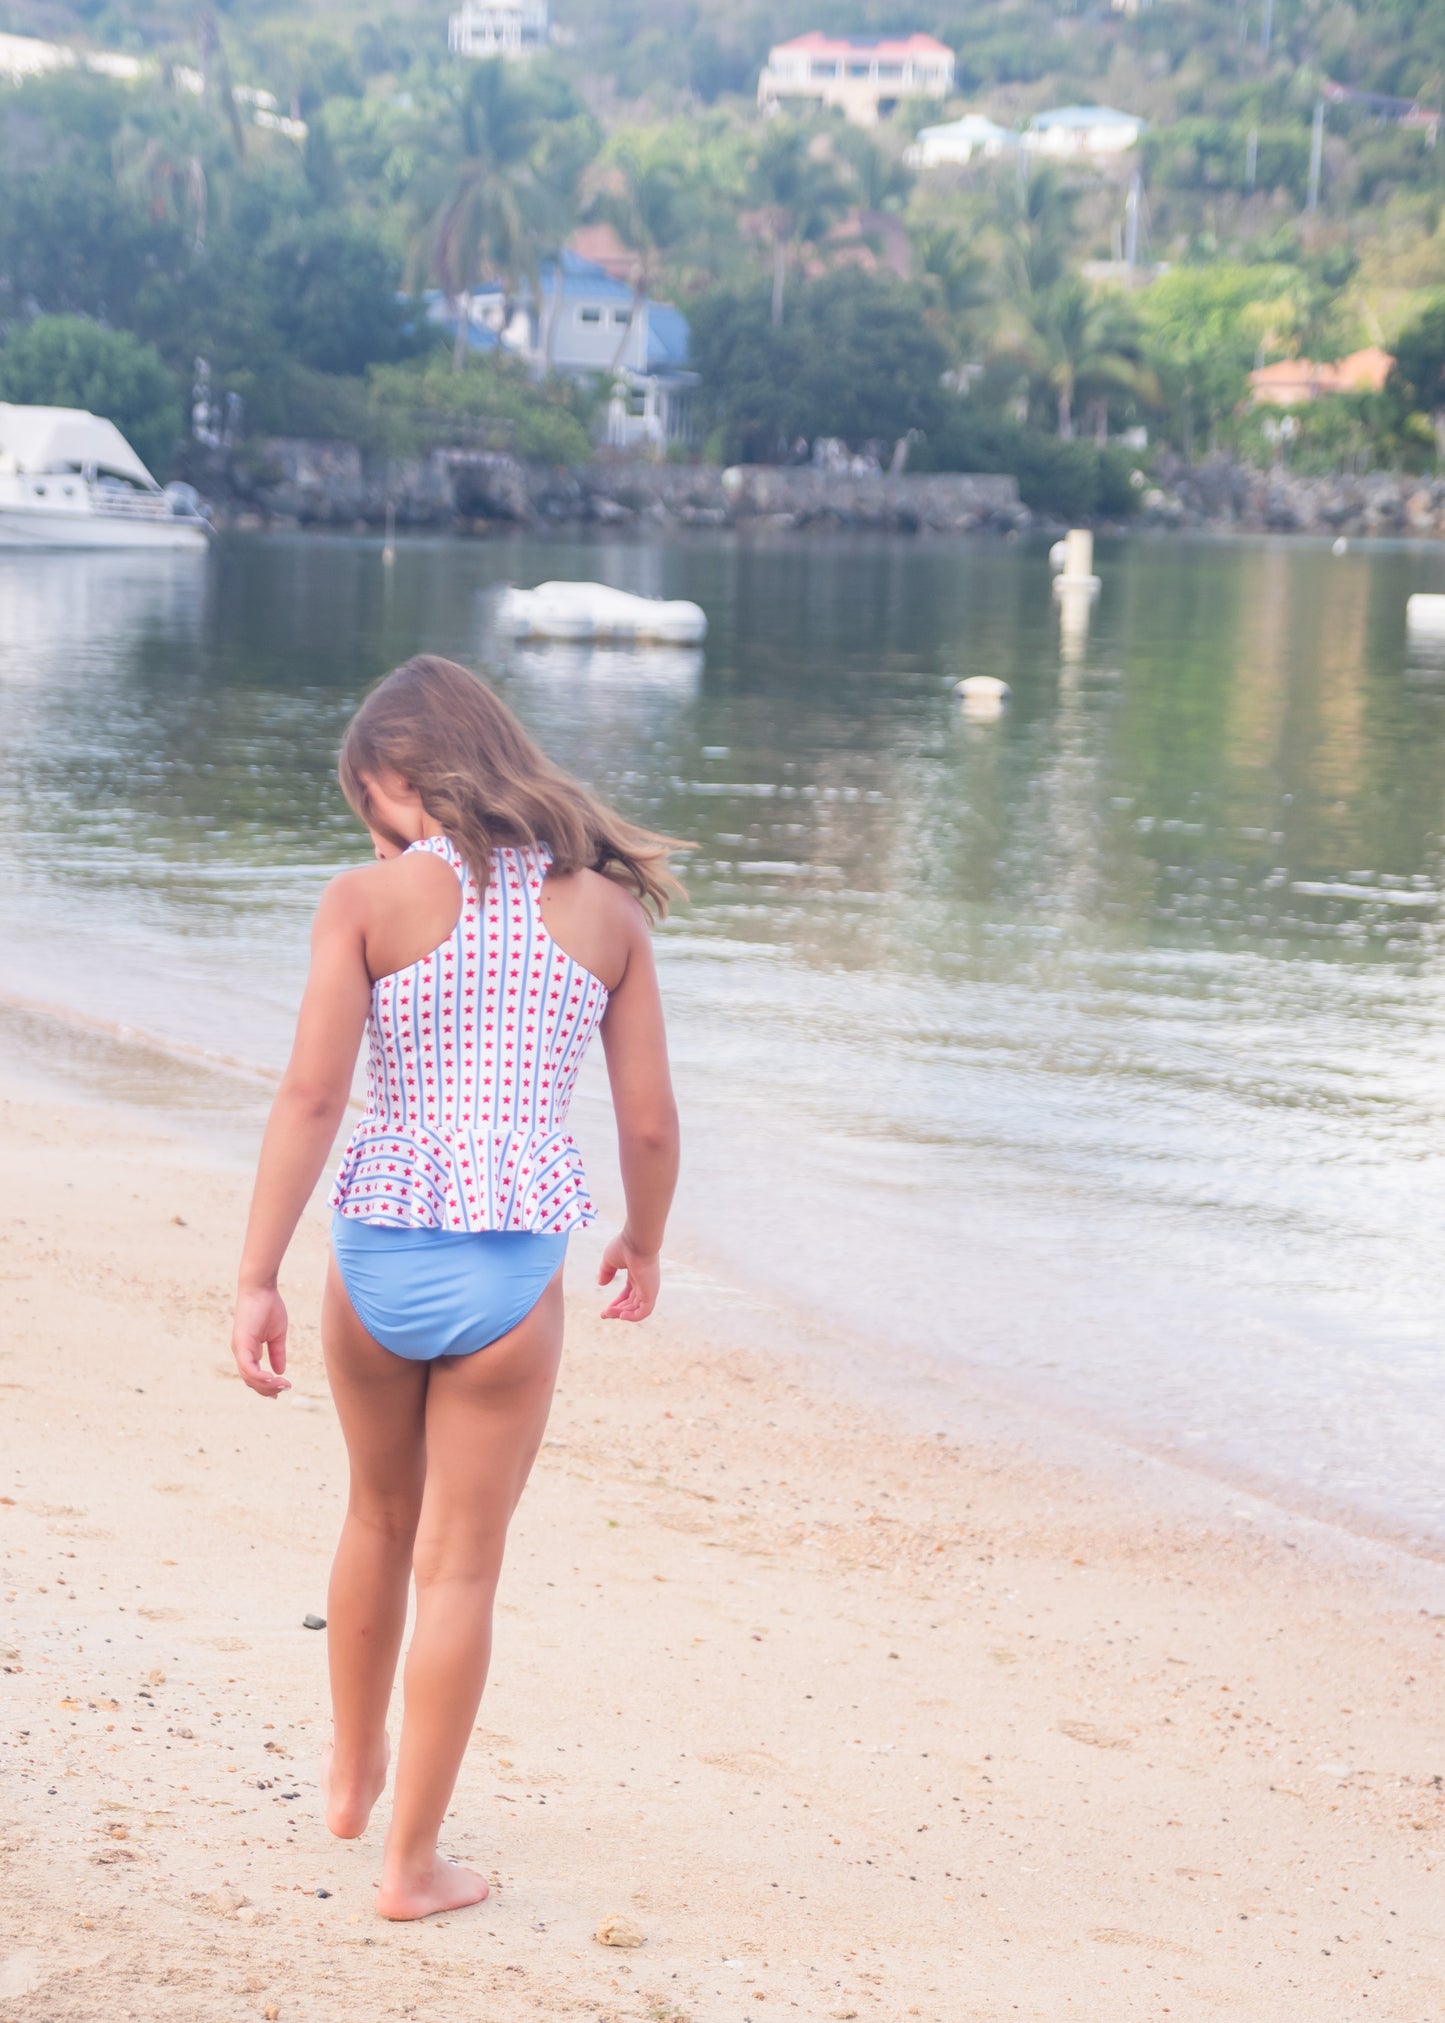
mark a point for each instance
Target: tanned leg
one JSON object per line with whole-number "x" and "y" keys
{"x": 485, "y": 1416}
{"x": 381, "y": 1401}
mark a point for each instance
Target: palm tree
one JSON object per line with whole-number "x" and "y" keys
{"x": 796, "y": 183}
{"x": 1078, "y": 344}
{"x": 957, "y": 281}
{"x": 216, "y": 81}
{"x": 1037, "y": 219}
{"x": 883, "y": 179}
{"x": 493, "y": 206}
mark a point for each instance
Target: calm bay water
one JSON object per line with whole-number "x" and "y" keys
{"x": 1101, "y": 1048}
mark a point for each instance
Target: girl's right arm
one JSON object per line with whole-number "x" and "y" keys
{"x": 301, "y": 1130}
{"x": 635, "y": 1042}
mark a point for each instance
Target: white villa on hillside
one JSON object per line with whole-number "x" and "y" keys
{"x": 1083, "y": 130}
{"x": 508, "y": 28}
{"x": 1071, "y": 130}
{"x": 960, "y": 140}
{"x": 864, "y": 76}
{"x": 25, "y": 56}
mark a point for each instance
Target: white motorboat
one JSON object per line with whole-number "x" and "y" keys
{"x": 586, "y": 611}
{"x": 69, "y": 479}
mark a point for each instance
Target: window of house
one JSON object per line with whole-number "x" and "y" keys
{"x": 825, "y": 70}
{"x": 890, "y": 70}
{"x": 622, "y": 316}
{"x": 589, "y": 315}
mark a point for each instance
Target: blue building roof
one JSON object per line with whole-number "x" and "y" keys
{"x": 1083, "y": 116}
{"x": 583, "y": 277}
{"x": 667, "y": 337}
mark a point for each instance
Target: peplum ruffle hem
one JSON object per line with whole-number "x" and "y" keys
{"x": 462, "y": 1180}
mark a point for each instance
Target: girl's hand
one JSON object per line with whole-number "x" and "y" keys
{"x": 259, "y": 1333}
{"x": 644, "y": 1278}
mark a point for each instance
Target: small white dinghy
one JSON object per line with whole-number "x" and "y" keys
{"x": 1425, "y": 614}
{"x": 583, "y": 611}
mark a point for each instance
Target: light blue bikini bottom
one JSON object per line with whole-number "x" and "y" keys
{"x": 424, "y": 1293}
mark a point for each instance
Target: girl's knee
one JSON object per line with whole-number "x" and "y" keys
{"x": 469, "y": 1563}
{"x": 391, "y": 1517}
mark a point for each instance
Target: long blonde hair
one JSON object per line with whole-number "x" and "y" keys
{"x": 453, "y": 739}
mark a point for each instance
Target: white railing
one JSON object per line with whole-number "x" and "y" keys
{"x": 129, "y": 505}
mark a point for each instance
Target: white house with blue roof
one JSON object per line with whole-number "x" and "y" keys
{"x": 1083, "y": 130}
{"x": 958, "y": 141}
{"x": 584, "y": 322}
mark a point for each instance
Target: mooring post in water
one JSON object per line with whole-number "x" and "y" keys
{"x": 1076, "y": 603}
{"x": 388, "y": 552}
{"x": 1077, "y": 574}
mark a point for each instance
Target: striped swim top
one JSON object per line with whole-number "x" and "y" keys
{"x": 474, "y": 1052}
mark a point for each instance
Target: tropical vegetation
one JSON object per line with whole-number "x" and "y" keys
{"x": 992, "y": 316}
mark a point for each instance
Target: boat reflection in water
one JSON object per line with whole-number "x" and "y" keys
{"x": 60, "y": 611}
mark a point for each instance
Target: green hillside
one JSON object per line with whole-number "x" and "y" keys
{"x": 178, "y": 221}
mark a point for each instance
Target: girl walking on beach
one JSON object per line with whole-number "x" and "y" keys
{"x": 506, "y": 921}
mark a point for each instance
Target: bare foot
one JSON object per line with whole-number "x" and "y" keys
{"x": 347, "y": 1811}
{"x": 446, "y": 1886}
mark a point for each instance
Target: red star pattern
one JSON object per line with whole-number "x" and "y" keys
{"x": 470, "y": 1074}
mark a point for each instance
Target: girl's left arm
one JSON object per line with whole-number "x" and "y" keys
{"x": 301, "y": 1130}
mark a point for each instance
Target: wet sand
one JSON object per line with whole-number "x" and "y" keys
{"x": 850, "y": 1720}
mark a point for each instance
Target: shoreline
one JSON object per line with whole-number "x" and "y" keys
{"x": 780, "y": 1677}
{"x": 909, "y": 1385}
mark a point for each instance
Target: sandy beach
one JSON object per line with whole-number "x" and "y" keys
{"x": 851, "y": 1720}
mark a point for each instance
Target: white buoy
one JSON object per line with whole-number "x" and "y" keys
{"x": 1425, "y": 614}
{"x": 388, "y": 552}
{"x": 1339, "y": 546}
{"x": 1077, "y": 573}
{"x": 1058, "y": 555}
{"x": 983, "y": 695}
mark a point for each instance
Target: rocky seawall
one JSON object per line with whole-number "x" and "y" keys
{"x": 1223, "y": 495}
{"x": 325, "y": 484}
{"x": 295, "y": 482}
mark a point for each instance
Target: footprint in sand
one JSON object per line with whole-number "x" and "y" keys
{"x": 1096, "y": 1738}
{"x": 747, "y": 1762}
{"x": 1108, "y": 1935}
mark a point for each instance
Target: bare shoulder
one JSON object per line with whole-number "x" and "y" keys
{"x": 616, "y": 904}
{"x": 589, "y": 892}
{"x": 596, "y": 921}
{"x": 357, "y": 900}
{"x": 344, "y": 898}
{"x": 391, "y": 878}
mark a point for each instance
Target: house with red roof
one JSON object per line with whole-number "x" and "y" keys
{"x": 1295, "y": 381}
{"x": 864, "y": 76}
